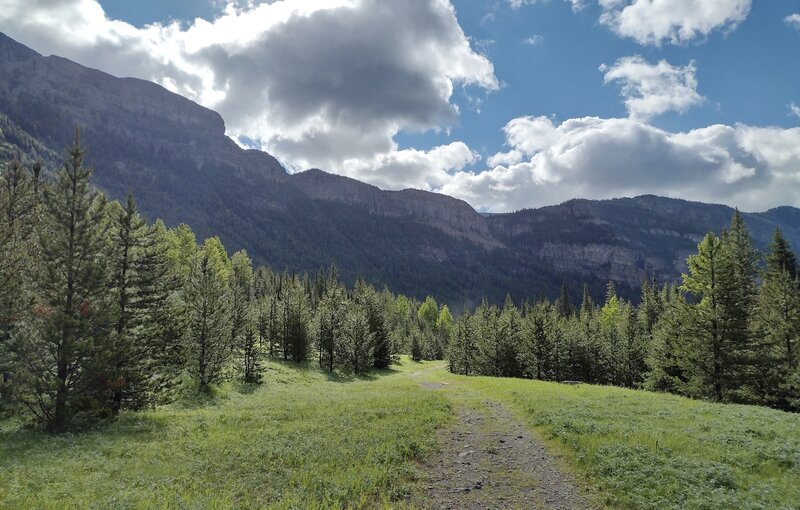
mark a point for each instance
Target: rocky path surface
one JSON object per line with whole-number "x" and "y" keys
{"x": 490, "y": 460}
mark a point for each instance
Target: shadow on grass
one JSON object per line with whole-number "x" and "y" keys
{"x": 338, "y": 375}
{"x": 27, "y": 438}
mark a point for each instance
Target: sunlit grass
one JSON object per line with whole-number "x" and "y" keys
{"x": 655, "y": 451}
{"x": 301, "y": 440}
{"x": 306, "y": 440}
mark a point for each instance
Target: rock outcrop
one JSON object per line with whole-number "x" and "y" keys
{"x": 174, "y": 155}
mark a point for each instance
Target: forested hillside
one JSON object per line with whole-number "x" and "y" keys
{"x": 175, "y": 157}
{"x": 729, "y": 333}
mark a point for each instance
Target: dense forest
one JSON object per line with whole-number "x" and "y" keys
{"x": 729, "y": 333}
{"x": 101, "y": 312}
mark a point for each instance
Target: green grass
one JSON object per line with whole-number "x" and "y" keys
{"x": 299, "y": 441}
{"x": 654, "y": 451}
{"x": 303, "y": 440}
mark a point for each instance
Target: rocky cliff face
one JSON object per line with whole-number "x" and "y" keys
{"x": 176, "y": 158}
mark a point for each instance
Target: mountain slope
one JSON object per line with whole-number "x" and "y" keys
{"x": 175, "y": 156}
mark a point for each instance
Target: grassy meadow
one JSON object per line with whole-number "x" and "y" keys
{"x": 657, "y": 451}
{"x": 300, "y": 440}
{"x": 306, "y": 440}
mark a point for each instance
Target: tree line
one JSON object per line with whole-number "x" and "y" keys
{"x": 729, "y": 332}
{"x": 101, "y": 312}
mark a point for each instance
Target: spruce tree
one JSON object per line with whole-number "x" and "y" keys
{"x": 539, "y": 360}
{"x": 739, "y": 303}
{"x": 667, "y": 370}
{"x": 777, "y": 327}
{"x": 709, "y": 349}
{"x": 563, "y": 304}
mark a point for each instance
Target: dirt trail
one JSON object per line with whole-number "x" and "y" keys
{"x": 490, "y": 460}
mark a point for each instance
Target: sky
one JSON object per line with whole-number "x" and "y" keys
{"x": 507, "y": 104}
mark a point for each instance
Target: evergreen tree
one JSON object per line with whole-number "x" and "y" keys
{"x": 777, "y": 327}
{"x": 666, "y": 370}
{"x": 296, "y": 338}
{"x": 416, "y": 346}
{"x": 563, "y": 304}
{"x": 127, "y": 232}
{"x": 739, "y": 302}
{"x": 206, "y": 296}
{"x": 709, "y": 349}
{"x": 67, "y": 371}
{"x": 18, "y": 200}
{"x": 539, "y": 359}
{"x": 461, "y": 354}
{"x": 251, "y": 354}
{"x": 331, "y": 317}
{"x": 359, "y": 342}
{"x": 240, "y": 284}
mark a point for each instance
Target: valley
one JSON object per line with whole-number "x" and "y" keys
{"x": 305, "y": 439}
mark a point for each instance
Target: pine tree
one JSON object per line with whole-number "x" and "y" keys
{"x": 251, "y": 354}
{"x": 331, "y": 316}
{"x": 667, "y": 370}
{"x": 739, "y": 303}
{"x": 416, "y": 346}
{"x": 710, "y": 349}
{"x": 462, "y": 351}
{"x": 18, "y": 199}
{"x": 540, "y": 349}
{"x": 296, "y": 315}
{"x": 359, "y": 342}
{"x": 444, "y": 330}
{"x": 206, "y": 296}
{"x": 777, "y": 327}
{"x": 240, "y": 283}
{"x": 127, "y": 231}
{"x": 382, "y": 349}
{"x": 160, "y": 317}
{"x": 563, "y": 304}
{"x": 68, "y": 371}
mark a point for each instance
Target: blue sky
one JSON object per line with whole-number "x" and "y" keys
{"x": 503, "y": 103}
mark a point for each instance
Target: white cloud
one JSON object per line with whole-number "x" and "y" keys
{"x": 793, "y": 20}
{"x": 577, "y": 5}
{"x": 534, "y": 39}
{"x": 318, "y": 82}
{"x": 675, "y": 21}
{"x": 411, "y": 168}
{"x": 794, "y": 110}
{"x": 649, "y": 90}
{"x": 750, "y": 167}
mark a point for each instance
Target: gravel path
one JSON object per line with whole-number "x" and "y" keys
{"x": 489, "y": 460}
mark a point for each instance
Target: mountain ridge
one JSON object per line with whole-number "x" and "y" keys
{"x": 175, "y": 156}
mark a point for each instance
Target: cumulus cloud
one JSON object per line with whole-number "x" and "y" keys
{"x": 576, "y": 4}
{"x": 751, "y": 167}
{"x": 793, "y": 20}
{"x": 794, "y": 110}
{"x": 675, "y": 21}
{"x": 649, "y": 90}
{"x": 412, "y": 168}
{"x": 318, "y": 82}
